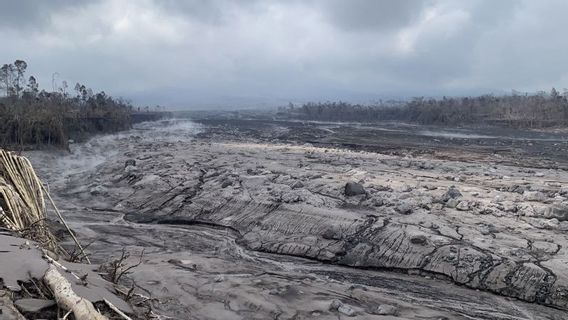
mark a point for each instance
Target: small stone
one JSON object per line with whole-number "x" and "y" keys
{"x": 386, "y": 310}
{"x": 33, "y": 305}
{"x": 452, "y": 203}
{"x": 335, "y": 304}
{"x": 463, "y": 206}
{"x": 331, "y": 234}
{"x": 404, "y": 208}
{"x": 130, "y": 162}
{"x": 297, "y": 185}
{"x": 452, "y": 193}
{"x": 346, "y": 310}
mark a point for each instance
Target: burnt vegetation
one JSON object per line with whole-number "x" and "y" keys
{"x": 517, "y": 110}
{"x": 30, "y": 117}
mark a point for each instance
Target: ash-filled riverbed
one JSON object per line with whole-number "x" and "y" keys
{"x": 237, "y": 222}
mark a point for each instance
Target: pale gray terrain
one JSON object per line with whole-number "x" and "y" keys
{"x": 234, "y": 227}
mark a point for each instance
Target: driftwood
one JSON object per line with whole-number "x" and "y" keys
{"x": 67, "y": 299}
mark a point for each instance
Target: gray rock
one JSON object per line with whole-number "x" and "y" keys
{"x": 130, "y": 162}
{"x": 385, "y": 310}
{"x": 419, "y": 240}
{"x": 340, "y": 307}
{"x": 335, "y": 304}
{"x": 346, "y": 310}
{"x": 354, "y": 189}
{"x": 534, "y": 196}
{"x": 463, "y": 206}
{"x": 558, "y": 211}
{"x": 332, "y": 234}
{"x": 452, "y": 203}
{"x": 452, "y": 193}
{"x": 33, "y": 305}
{"x": 297, "y": 185}
{"x": 404, "y": 208}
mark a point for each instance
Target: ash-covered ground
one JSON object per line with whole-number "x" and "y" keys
{"x": 249, "y": 219}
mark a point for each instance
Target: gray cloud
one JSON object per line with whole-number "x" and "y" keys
{"x": 364, "y": 15}
{"x": 22, "y": 14}
{"x": 221, "y": 52}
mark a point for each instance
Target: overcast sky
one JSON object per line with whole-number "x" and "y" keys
{"x": 211, "y": 53}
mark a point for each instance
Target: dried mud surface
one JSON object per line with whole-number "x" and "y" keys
{"x": 245, "y": 221}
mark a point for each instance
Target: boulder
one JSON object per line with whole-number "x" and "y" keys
{"x": 536, "y": 196}
{"x": 354, "y": 189}
{"x": 558, "y": 211}
{"x": 452, "y": 193}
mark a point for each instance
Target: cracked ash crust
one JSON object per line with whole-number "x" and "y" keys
{"x": 493, "y": 227}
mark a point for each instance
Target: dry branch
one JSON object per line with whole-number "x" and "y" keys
{"x": 66, "y": 298}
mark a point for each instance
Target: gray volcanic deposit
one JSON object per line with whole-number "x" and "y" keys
{"x": 291, "y": 220}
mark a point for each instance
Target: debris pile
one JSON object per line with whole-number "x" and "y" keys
{"x": 29, "y": 270}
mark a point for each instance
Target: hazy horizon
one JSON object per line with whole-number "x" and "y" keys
{"x": 212, "y": 54}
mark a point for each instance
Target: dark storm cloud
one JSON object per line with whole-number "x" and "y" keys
{"x": 221, "y": 52}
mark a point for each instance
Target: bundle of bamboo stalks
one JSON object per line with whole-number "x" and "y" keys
{"x": 23, "y": 210}
{"x": 22, "y": 205}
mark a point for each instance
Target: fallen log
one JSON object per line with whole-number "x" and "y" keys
{"x": 67, "y": 299}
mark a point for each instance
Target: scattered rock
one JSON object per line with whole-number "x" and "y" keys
{"x": 463, "y": 206}
{"x": 98, "y": 190}
{"x": 558, "y": 211}
{"x": 33, "y": 305}
{"x": 385, "y": 310}
{"x": 419, "y": 240}
{"x": 340, "y": 307}
{"x": 130, "y": 162}
{"x": 297, "y": 185}
{"x": 346, "y": 310}
{"x": 354, "y": 189}
{"x": 536, "y": 196}
{"x": 331, "y": 234}
{"x": 404, "y": 208}
{"x": 334, "y": 305}
{"x": 452, "y": 203}
{"x": 452, "y": 193}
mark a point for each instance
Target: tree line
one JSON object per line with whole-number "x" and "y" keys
{"x": 538, "y": 110}
{"x": 30, "y": 116}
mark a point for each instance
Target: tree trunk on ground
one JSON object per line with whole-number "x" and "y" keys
{"x": 67, "y": 299}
